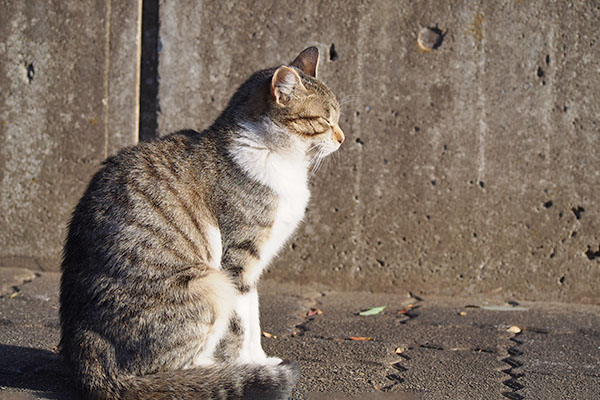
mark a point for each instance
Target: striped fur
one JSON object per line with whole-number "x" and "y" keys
{"x": 166, "y": 246}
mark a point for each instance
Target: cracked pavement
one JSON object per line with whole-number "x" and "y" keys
{"x": 425, "y": 348}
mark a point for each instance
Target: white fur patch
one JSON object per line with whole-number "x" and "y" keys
{"x": 258, "y": 152}
{"x": 277, "y": 159}
{"x": 216, "y": 246}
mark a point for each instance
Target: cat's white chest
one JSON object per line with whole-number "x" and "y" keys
{"x": 293, "y": 195}
{"x": 290, "y": 211}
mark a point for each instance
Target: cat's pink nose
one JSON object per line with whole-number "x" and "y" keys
{"x": 338, "y": 134}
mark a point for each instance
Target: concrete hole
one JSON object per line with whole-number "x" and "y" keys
{"x": 30, "y": 72}
{"x": 333, "y": 55}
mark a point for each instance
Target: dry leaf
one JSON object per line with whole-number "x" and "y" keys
{"x": 313, "y": 312}
{"x": 462, "y": 313}
{"x": 514, "y": 329}
{"x": 269, "y": 335}
{"x": 403, "y": 311}
{"x": 13, "y": 295}
{"x": 360, "y": 338}
{"x": 399, "y": 350}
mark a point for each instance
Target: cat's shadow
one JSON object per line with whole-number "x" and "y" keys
{"x": 37, "y": 371}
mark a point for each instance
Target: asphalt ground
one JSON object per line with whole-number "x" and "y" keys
{"x": 415, "y": 348}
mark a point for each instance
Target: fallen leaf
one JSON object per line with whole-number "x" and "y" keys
{"x": 403, "y": 311}
{"x": 462, "y": 313}
{"x": 514, "y": 329}
{"x": 313, "y": 312}
{"x": 13, "y": 295}
{"x": 372, "y": 311}
{"x": 399, "y": 350}
{"x": 269, "y": 335}
{"x": 360, "y": 338}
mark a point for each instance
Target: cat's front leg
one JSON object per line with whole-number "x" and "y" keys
{"x": 247, "y": 310}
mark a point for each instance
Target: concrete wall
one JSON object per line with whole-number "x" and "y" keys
{"x": 470, "y": 169}
{"x": 473, "y": 168}
{"x": 68, "y": 98}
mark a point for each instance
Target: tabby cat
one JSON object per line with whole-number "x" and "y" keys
{"x": 164, "y": 250}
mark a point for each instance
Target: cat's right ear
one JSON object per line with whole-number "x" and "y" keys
{"x": 284, "y": 85}
{"x": 307, "y": 61}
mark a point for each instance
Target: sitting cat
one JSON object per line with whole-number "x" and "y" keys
{"x": 164, "y": 250}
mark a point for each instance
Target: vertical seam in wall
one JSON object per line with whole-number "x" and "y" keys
{"x": 138, "y": 75}
{"x": 106, "y": 75}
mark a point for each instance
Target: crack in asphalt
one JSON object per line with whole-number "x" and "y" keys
{"x": 397, "y": 366}
{"x": 513, "y": 382}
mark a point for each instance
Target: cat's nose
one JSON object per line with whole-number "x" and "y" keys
{"x": 338, "y": 135}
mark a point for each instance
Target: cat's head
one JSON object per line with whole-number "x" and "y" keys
{"x": 303, "y": 105}
{"x": 288, "y": 107}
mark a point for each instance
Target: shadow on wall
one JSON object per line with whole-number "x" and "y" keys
{"x": 149, "y": 105}
{"x": 35, "y": 370}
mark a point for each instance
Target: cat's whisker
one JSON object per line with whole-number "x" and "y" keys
{"x": 350, "y": 99}
{"x": 319, "y": 147}
{"x": 315, "y": 161}
{"x": 314, "y": 146}
{"x": 321, "y": 155}
{"x": 338, "y": 157}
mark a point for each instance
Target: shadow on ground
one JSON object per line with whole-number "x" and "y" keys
{"x": 34, "y": 370}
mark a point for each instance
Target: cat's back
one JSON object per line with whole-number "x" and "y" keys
{"x": 145, "y": 199}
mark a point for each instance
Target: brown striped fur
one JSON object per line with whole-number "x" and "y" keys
{"x": 170, "y": 236}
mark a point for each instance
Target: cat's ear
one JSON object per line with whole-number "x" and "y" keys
{"x": 307, "y": 61}
{"x": 285, "y": 84}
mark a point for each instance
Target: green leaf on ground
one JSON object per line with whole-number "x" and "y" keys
{"x": 372, "y": 311}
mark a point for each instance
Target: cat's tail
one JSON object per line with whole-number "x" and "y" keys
{"x": 251, "y": 381}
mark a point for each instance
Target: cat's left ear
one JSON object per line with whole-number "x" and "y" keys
{"x": 285, "y": 85}
{"x": 307, "y": 61}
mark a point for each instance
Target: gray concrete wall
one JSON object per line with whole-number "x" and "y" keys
{"x": 68, "y": 98}
{"x": 470, "y": 169}
{"x": 473, "y": 168}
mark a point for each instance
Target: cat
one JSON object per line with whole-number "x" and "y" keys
{"x": 158, "y": 295}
